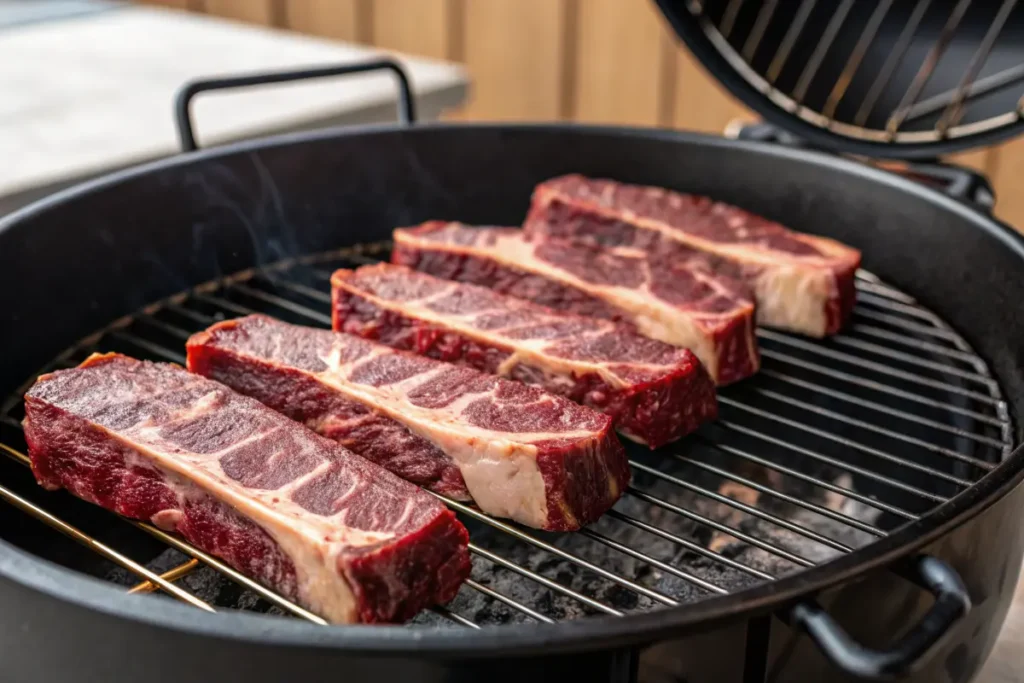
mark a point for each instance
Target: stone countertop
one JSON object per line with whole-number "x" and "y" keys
{"x": 91, "y": 92}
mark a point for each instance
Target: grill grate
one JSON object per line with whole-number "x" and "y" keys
{"x": 833, "y": 445}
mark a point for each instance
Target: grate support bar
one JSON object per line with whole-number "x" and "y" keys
{"x": 924, "y": 74}
{"x": 453, "y": 617}
{"x": 901, "y": 323}
{"x": 687, "y": 544}
{"x": 796, "y": 474}
{"x": 866, "y": 281}
{"x": 98, "y": 547}
{"x": 679, "y": 573}
{"x": 171, "y": 575}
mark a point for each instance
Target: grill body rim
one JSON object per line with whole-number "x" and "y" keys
{"x": 568, "y": 637}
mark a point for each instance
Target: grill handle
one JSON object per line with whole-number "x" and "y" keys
{"x": 958, "y": 182}
{"x": 952, "y": 603}
{"x": 183, "y": 100}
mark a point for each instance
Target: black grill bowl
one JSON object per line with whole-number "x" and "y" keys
{"x": 76, "y": 262}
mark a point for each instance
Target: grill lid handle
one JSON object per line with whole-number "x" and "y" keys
{"x": 183, "y": 100}
{"x": 952, "y": 604}
{"x": 958, "y": 182}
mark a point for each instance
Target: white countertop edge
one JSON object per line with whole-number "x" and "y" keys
{"x": 96, "y": 92}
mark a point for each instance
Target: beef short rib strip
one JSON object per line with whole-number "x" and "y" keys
{"x": 678, "y": 303}
{"x": 801, "y": 282}
{"x": 277, "y": 364}
{"x": 523, "y": 453}
{"x": 292, "y": 510}
{"x": 655, "y": 392}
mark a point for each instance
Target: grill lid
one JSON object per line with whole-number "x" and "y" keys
{"x": 905, "y": 80}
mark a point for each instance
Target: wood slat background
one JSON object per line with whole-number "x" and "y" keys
{"x": 603, "y": 61}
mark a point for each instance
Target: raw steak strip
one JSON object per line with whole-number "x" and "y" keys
{"x": 801, "y": 282}
{"x": 682, "y": 305}
{"x": 292, "y": 510}
{"x": 523, "y": 453}
{"x": 654, "y": 391}
{"x": 278, "y": 365}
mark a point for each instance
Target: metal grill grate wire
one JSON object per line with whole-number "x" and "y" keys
{"x": 773, "y": 428}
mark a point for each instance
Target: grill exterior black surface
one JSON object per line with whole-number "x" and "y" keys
{"x": 945, "y": 506}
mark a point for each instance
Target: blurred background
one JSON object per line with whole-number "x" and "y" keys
{"x": 604, "y": 61}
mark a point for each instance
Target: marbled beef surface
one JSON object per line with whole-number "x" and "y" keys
{"x": 655, "y": 392}
{"x": 518, "y": 451}
{"x": 290, "y": 509}
{"x": 801, "y": 282}
{"x": 683, "y": 303}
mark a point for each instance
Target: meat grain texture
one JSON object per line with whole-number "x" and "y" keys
{"x": 290, "y": 509}
{"x": 804, "y": 283}
{"x": 516, "y": 450}
{"x": 655, "y": 392}
{"x": 676, "y": 303}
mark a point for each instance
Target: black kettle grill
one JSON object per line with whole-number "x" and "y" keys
{"x": 853, "y": 514}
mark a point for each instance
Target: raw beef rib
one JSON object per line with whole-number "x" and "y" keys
{"x": 292, "y": 510}
{"x": 801, "y": 282}
{"x": 680, "y": 303}
{"x": 655, "y": 392}
{"x": 522, "y": 453}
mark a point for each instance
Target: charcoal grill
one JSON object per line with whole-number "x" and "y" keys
{"x": 843, "y": 484}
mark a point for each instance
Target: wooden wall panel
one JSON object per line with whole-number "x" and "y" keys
{"x": 419, "y": 27}
{"x": 700, "y": 103}
{"x": 622, "y": 50}
{"x": 517, "y": 53}
{"x": 176, "y": 4}
{"x": 340, "y": 19}
{"x": 252, "y": 11}
{"x": 980, "y": 160}
{"x": 1006, "y": 171}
